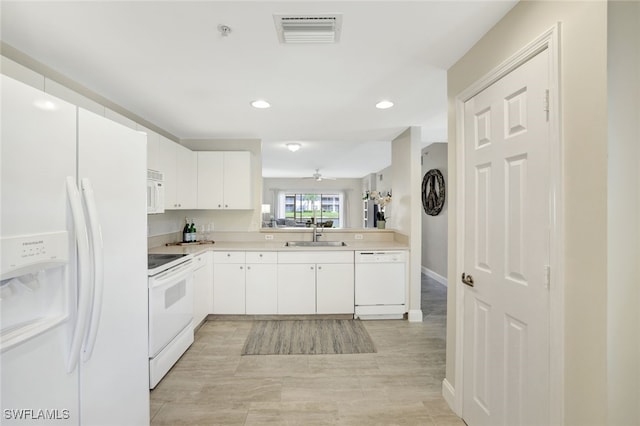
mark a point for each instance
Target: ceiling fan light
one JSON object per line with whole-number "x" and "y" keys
{"x": 293, "y": 147}
{"x": 260, "y": 104}
{"x": 384, "y": 104}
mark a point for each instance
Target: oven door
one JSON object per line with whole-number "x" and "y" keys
{"x": 170, "y": 305}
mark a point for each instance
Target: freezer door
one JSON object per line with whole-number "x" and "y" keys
{"x": 38, "y": 153}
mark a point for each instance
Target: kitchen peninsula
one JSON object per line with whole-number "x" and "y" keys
{"x": 258, "y": 273}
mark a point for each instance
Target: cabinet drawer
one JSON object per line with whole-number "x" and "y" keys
{"x": 315, "y": 257}
{"x": 262, "y": 257}
{"x": 229, "y": 257}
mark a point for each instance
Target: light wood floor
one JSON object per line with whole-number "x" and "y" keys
{"x": 399, "y": 385}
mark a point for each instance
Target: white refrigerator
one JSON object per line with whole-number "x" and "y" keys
{"x": 73, "y": 293}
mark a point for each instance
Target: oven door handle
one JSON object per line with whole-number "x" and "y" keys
{"x": 172, "y": 275}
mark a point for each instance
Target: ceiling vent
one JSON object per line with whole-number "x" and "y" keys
{"x": 308, "y": 28}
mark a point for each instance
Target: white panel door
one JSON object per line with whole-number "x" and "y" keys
{"x": 113, "y": 157}
{"x": 506, "y": 250}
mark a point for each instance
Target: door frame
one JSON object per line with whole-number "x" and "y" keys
{"x": 550, "y": 41}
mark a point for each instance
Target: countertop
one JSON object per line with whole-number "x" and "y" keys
{"x": 275, "y": 246}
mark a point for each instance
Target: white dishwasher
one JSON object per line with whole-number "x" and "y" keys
{"x": 380, "y": 284}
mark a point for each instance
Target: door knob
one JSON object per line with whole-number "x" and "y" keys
{"x": 467, "y": 279}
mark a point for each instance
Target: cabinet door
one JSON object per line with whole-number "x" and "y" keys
{"x": 167, "y": 165}
{"x": 297, "y": 288}
{"x": 237, "y": 180}
{"x": 203, "y": 287}
{"x": 153, "y": 148}
{"x": 262, "y": 289}
{"x": 335, "y": 288}
{"x": 186, "y": 178}
{"x": 210, "y": 176}
{"x": 229, "y": 288}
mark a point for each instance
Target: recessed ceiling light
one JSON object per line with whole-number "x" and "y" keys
{"x": 293, "y": 147}
{"x": 384, "y": 104}
{"x": 260, "y": 103}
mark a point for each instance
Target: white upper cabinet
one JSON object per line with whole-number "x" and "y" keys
{"x": 224, "y": 180}
{"x": 153, "y": 148}
{"x": 187, "y": 178}
{"x": 179, "y": 165}
{"x": 237, "y": 180}
{"x": 167, "y": 165}
{"x": 210, "y": 178}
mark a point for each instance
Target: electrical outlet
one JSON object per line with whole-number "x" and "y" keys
{"x": 268, "y": 237}
{"x": 358, "y": 236}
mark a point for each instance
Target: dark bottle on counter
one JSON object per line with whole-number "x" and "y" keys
{"x": 186, "y": 232}
{"x": 193, "y": 232}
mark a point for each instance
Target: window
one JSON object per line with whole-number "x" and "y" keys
{"x": 302, "y": 209}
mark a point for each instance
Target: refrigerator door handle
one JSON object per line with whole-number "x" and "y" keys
{"x": 85, "y": 289}
{"x": 97, "y": 246}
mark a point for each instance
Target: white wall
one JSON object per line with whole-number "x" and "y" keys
{"x": 583, "y": 85}
{"x": 351, "y": 187}
{"x": 434, "y": 228}
{"x": 405, "y": 215}
{"x": 623, "y": 295}
{"x": 22, "y": 67}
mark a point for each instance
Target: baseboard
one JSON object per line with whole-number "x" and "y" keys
{"x": 415, "y": 315}
{"x": 449, "y": 395}
{"x": 437, "y": 277}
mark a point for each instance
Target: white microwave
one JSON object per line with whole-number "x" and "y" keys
{"x": 155, "y": 192}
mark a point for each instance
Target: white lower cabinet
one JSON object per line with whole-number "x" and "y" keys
{"x": 285, "y": 283}
{"x": 203, "y": 287}
{"x": 261, "y": 283}
{"x": 315, "y": 282}
{"x": 229, "y": 283}
{"x": 297, "y": 288}
{"x": 334, "y": 288}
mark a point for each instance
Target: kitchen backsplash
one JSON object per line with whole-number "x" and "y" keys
{"x": 282, "y": 235}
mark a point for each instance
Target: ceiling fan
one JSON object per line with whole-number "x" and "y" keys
{"x": 317, "y": 176}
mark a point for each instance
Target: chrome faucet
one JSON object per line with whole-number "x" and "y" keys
{"x": 315, "y": 233}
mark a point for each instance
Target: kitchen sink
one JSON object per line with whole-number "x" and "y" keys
{"x": 315, "y": 244}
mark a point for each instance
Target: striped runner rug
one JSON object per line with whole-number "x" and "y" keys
{"x": 308, "y": 337}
